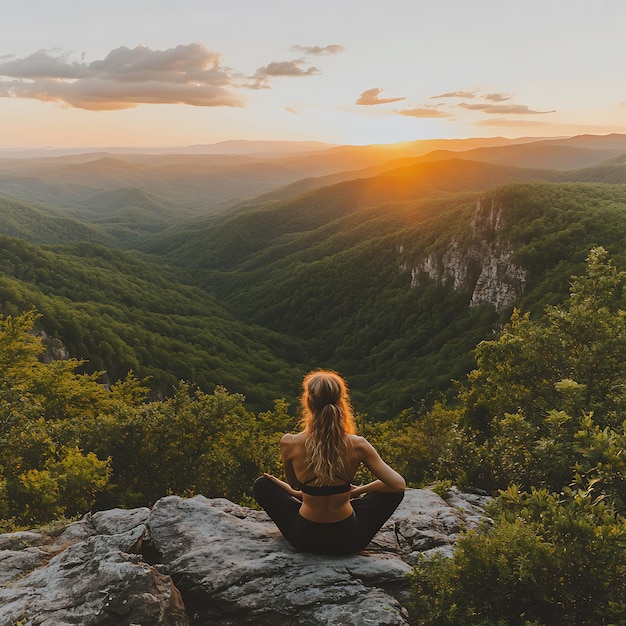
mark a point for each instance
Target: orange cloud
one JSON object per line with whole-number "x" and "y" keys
{"x": 457, "y": 94}
{"x": 285, "y": 68}
{"x": 424, "y": 112}
{"x": 187, "y": 74}
{"x": 515, "y": 109}
{"x": 332, "y": 49}
{"x": 370, "y": 97}
{"x": 497, "y": 97}
{"x": 105, "y": 95}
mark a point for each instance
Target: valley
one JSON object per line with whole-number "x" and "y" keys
{"x": 247, "y": 269}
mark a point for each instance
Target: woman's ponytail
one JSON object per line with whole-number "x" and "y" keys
{"x": 328, "y": 419}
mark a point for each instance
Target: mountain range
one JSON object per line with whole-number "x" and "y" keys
{"x": 246, "y": 264}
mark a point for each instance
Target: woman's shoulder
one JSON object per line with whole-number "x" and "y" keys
{"x": 291, "y": 445}
{"x": 358, "y": 442}
{"x": 290, "y": 439}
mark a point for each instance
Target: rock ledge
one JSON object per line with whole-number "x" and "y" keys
{"x": 200, "y": 561}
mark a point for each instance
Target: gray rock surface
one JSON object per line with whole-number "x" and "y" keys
{"x": 208, "y": 561}
{"x": 480, "y": 265}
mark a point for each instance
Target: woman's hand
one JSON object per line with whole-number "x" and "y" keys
{"x": 296, "y": 493}
{"x": 377, "y": 486}
{"x": 357, "y": 491}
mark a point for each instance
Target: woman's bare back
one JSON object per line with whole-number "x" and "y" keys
{"x": 334, "y": 508}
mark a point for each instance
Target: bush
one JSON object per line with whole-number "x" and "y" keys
{"x": 64, "y": 487}
{"x": 550, "y": 559}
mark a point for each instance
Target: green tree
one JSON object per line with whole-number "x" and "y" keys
{"x": 65, "y": 486}
{"x": 536, "y": 384}
{"x": 548, "y": 559}
{"x": 39, "y": 475}
{"x": 69, "y": 443}
{"x": 417, "y": 446}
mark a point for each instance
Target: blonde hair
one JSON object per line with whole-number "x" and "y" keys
{"x": 328, "y": 419}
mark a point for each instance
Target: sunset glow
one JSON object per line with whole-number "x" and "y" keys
{"x": 358, "y": 72}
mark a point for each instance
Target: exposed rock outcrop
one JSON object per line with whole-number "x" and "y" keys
{"x": 480, "y": 264}
{"x": 54, "y": 348}
{"x": 204, "y": 561}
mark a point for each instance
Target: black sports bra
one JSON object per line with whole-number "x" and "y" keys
{"x": 329, "y": 490}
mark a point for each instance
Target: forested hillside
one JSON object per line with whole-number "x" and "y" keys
{"x": 124, "y": 314}
{"x": 382, "y": 277}
{"x": 326, "y": 267}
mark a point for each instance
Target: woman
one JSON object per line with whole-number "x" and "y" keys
{"x": 318, "y": 509}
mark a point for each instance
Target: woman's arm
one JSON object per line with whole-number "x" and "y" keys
{"x": 286, "y": 486}
{"x": 388, "y": 480}
{"x": 285, "y": 455}
{"x": 290, "y": 474}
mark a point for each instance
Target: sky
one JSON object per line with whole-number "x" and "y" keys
{"x": 148, "y": 73}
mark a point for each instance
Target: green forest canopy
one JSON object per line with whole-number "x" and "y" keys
{"x": 321, "y": 291}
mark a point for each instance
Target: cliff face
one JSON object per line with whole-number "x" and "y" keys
{"x": 204, "y": 561}
{"x": 479, "y": 264}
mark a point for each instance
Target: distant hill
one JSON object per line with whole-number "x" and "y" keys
{"x": 41, "y": 225}
{"x": 539, "y": 155}
{"x": 209, "y": 183}
{"x": 234, "y": 240}
{"x": 612, "y": 171}
{"x": 390, "y": 274}
{"x": 196, "y": 184}
{"x": 613, "y": 141}
{"x": 239, "y": 146}
{"x": 553, "y": 154}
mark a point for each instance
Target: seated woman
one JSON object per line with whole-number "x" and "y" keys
{"x": 318, "y": 509}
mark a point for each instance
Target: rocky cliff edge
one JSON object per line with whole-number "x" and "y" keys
{"x": 200, "y": 561}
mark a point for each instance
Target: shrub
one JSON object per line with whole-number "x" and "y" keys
{"x": 550, "y": 559}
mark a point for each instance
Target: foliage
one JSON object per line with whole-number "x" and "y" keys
{"x": 41, "y": 478}
{"x": 417, "y": 446}
{"x": 542, "y": 389}
{"x": 542, "y": 418}
{"x": 255, "y": 297}
{"x": 188, "y": 444}
{"x": 549, "y": 559}
{"x": 63, "y": 487}
{"x": 69, "y": 444}
{"x": 126, "y": 314}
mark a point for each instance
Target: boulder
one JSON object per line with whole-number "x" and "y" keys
{"x": 204, "y": 561}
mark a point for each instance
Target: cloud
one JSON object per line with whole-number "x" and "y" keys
{"x": 106, "y": 95}
{"x": 41, "y": 64}
{"x": 505, "y": 109}
{"x": 187, "y": 74}
{"x": 497, "y": 97}
{"x": 317, "y": 50}
{"x": 285, "y": 68}
{"x": 423, "y": 112}
{"x": 457, "y": 94}
{"x": 370, "y": 96}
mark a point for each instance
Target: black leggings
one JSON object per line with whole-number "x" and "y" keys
{"x": 348, "y": 536}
